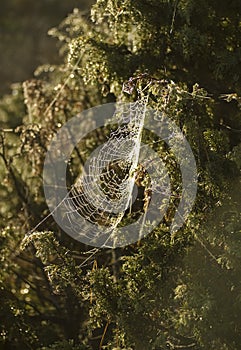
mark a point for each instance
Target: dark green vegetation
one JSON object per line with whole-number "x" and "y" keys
{"x": 179, "y": 291}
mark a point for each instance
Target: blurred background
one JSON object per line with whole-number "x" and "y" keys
{"x": 24, "y": 40}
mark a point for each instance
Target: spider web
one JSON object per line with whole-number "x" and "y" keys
{"x": 106, "y": 189}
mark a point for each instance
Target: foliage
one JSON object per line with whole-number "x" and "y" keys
{"x": 166, "y": 291}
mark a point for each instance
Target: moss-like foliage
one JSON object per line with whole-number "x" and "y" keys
{"x": 178, "y": 291}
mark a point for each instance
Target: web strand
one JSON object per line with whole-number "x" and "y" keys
{"x": 103, "y": 193}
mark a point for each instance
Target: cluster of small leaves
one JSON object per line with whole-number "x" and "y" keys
{"x": 64, "y": 345}
{"x": 60, "y": 267}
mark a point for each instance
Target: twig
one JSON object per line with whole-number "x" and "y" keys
{"x": 103, "y": 335}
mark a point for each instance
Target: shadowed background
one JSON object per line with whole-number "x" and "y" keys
{"x": 24, "y": 41}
